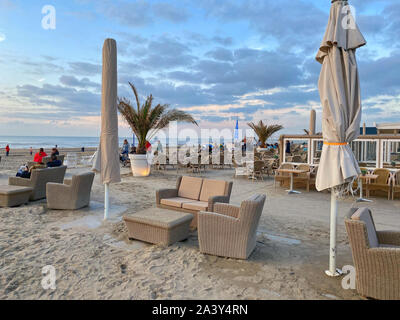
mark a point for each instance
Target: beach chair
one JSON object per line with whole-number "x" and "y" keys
{"x": 382, "y": 183}
{"x": 258, "y": 169}
{"x": 230, "y": 231}
{"x": 283, "y": 177}
{"x": 376, "y": 256}
{"x": 240, "y": 171}
{"x": 303, "y": 178}
{"x": 395, "y": 184}
{"x": 74, "y": 194}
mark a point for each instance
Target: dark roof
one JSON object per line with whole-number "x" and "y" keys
{"x": 370, "y": 131}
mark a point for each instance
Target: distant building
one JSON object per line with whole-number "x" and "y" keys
{"x": 383, "y": 128}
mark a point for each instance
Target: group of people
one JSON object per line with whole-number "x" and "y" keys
{"x": 25, "y": 172}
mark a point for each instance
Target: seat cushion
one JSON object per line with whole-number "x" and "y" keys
{"x": 174, "y": 202}
{"x": 364, "y": 215}
{"x": 388, "y": 246}
{"x": 196, "y": 205}
{"x": 190, "y": 188}
{"x": 212, "y": 188}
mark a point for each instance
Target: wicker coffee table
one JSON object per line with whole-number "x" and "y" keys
{"x": 159, "y": 226}
{"x": 13, "y": 196}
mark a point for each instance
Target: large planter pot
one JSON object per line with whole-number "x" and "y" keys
{"x": 139, "y": 165}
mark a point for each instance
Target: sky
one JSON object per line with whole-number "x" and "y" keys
{"x": 219, "y": 60}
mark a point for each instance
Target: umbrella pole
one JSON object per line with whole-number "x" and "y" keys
{"x": 333, "y": 272}
{"x": 106, "y": 200}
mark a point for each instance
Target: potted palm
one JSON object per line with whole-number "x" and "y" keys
{"x": 264, "y": 132}
{"x": 145, "y": 121}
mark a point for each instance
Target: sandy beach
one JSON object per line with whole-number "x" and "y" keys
{"x": 96, "y": 260}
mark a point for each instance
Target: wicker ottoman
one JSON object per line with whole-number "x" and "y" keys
{"x": 13, "y": 196}
{"x": 159, "y": 226}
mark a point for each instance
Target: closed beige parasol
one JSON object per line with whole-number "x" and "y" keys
{"x": 106, "y": 161}
{"x": 339, "y": 88}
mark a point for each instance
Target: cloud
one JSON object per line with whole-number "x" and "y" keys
{"x": 170, "y": 13}
{"x": 2, "y": 37}
{"x": 85, "y": 68}
{"x": 71, "y": 81}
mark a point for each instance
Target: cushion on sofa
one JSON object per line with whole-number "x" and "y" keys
{"x": 212, "y": 188}
{"x": 364, "y": 215}
{"x": 190, "y": 188}
{"x": 174, "y": 202}
{"x": 196, "y": 205}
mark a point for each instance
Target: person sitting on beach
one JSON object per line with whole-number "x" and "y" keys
{"x": 125, "y": 150}
{"x": 23, "y": 172}
{"x": 54, "y": 162}
{"x": 55, "y": 151}
{"x": 38, "y": 158}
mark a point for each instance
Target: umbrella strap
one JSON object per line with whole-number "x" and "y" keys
{"x": 336, "y": 143}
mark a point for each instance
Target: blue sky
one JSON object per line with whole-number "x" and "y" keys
{"x": 217, "y": 59}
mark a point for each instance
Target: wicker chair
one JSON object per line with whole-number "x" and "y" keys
{"x": 231, "y": 231}
{"x": 258, "y": 169}
{"x": 376, "y": 256}
{"x": 239, "y": 170}
{"x": 396, "y": 184}
{"x": 283, "y": 177}
{"x": 382, "y": 183}
{"x": 304, "y": 178}
{"x": 72, "y": 195}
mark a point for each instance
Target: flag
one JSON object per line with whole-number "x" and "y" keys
{"x": 237, "y": 130}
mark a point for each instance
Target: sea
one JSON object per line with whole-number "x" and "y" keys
{"x": 36, "y": 142}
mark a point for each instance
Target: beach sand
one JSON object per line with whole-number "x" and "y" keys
{"x": 96, "y": 260}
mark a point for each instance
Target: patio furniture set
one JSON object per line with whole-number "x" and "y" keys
{"x": 48, "y": 183}
{"x": 290, "y": 174}
{"x": 202, "y": 204}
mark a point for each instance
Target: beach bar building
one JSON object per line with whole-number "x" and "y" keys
{"x": 376, "y": 147}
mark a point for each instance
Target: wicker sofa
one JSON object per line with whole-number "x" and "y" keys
{"x": 38, "y": 180}
{"x": 74, "y": 194}
{"x": 376, "y": 256}
{"x": 193, "y": 195}
{"x": 231, "y": 231}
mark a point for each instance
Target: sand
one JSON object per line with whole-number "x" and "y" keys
{"x": 96, "y": 260}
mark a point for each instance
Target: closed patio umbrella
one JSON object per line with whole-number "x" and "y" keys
{"x": 107, "y": 158}
{"x": 339, "y": 89}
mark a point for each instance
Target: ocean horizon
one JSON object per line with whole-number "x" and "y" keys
{"x": 36, "y": 142}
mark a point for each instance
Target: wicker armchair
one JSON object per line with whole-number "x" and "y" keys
{"x": 382, "y": 183}
{"x": 283, "y": 177}
{"x": 231, "y": 231}
{"x": 72, "y": 195}
{"x": 376, "y": 257}
{"x": 396, "y": 184}
{"x": 258, "y": 169}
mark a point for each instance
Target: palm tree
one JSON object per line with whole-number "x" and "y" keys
{"x": 145, "y": 118}
{"x": 263, "y": 131}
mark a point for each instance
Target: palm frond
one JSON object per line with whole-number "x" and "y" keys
{"x": 145, "y": 118}
{"x": 263, "y": 131}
